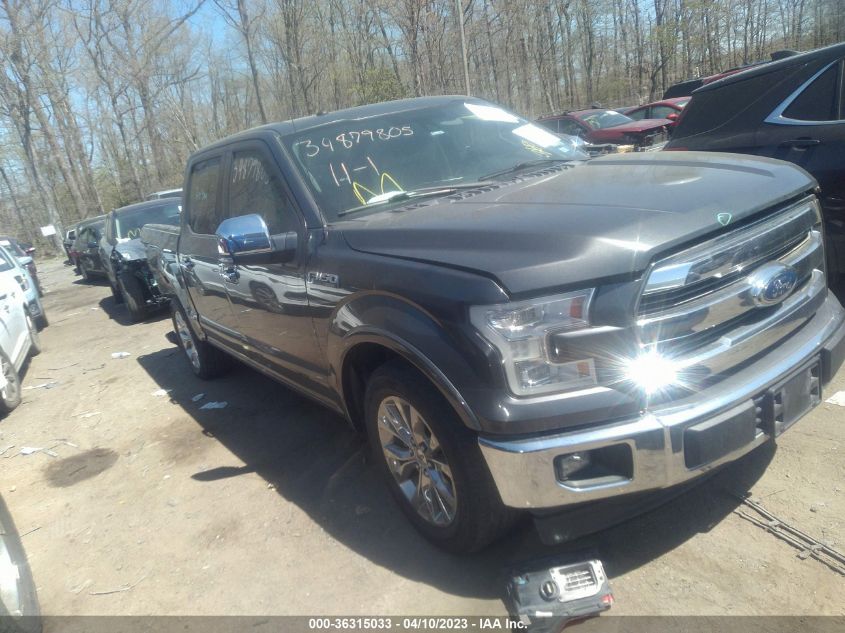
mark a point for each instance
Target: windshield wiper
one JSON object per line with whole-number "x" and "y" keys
{"x": 424, "y": 192}
{"x": 524, "y": 165}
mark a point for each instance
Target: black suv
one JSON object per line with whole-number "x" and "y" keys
{"x": 792, "y": 109}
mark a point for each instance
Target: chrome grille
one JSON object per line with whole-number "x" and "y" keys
{"x": 698, "y": 306}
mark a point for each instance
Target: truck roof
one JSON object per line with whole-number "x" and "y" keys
{"x": 146, "y": 204}
{"x": 358, "y": 112}
{"x": 832, "y": 53}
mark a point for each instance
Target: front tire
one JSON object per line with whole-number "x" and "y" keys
{"x": 431, "y": 462}
{"x": 115, "y": 293}
{"x": 206, "y": 361}
{"x": 10, "y": 395}
{"x": 133, "y": 296}
{"x": 35, "y": 346}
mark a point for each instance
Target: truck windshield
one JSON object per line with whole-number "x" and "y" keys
{"x": 128, "y": 225}
{"x": 354, "y": 163}
{"x": 602, "y": 120}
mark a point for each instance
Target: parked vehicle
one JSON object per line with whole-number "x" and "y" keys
{"x": 70, "y": 237}
{"x": 608, "y": 126}
{"x": 19, "y": 337}
{"x": 25, "y": 255}
{"x": 167, "y": 193}
{"x": 34, "y": 307}
{"x": 19, "y": 608}
{"x": 86, "y": 248}
{"x": 514, "y": 328}
{"x": 792, "y": 109}
{"x": 32, "y": 297}
{"x": 669, "y": 109}
{"x": 124, "y": 256}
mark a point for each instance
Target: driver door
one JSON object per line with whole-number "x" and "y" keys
{"x": 198, "y": 252}
{"x": 268, "y": 297}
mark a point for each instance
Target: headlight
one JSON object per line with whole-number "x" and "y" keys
{"x": 520, "y": 332}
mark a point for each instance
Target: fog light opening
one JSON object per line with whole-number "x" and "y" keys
{"x": 570, "y": 464}
{"x": 598, "y": 467}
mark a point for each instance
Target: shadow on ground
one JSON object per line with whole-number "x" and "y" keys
{"x": 315, "y": 460}
{"x": 118, "y": 312}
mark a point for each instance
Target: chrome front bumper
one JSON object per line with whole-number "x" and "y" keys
{"x": 524, "y": 472}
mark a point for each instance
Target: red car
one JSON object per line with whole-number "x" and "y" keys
{"x": 667, "y": 109}
{"x": 608, "y": 126}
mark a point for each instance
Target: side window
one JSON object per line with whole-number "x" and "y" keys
{"x": 204, "y": 217}
{"x": 551, "y": 124}
{"x": 255, "y": 188}
{"x": 569, "y": 127}
{"x": 5, "y": 262}
{"x": 638, "y": 115}
{"x": 818, "y": 101}
{"x": 661, "y": 112}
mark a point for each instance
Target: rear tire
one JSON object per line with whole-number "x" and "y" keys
{"x": 10, "y": 395}
{"x": 133, "y": 296}
{"x": 206, "y": 361}
{"x": 433, "y": 466}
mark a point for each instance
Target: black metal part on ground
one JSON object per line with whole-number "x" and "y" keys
{"x": 549, "y": 593}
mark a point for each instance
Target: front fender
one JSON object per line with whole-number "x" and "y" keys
{"x": 438, "y": 350}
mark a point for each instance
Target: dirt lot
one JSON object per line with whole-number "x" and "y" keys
{"x": 253, "y": 508}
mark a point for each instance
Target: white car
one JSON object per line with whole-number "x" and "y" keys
{"x": 18, "y": 335}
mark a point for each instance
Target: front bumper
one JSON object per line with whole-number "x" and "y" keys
{"x": 652, "y": 444}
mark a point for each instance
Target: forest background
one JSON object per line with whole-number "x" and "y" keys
{"x": 102, "y": 101}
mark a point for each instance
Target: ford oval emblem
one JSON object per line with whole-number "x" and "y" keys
{"x": 772, "y": 283}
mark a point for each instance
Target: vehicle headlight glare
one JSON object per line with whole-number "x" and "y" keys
{"x": 652, "y": 372}
{"x": 520, "y": 331}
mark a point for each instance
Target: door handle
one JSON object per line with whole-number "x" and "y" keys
{"x": 187, "y": 263}
{"x": 801, "y": 143}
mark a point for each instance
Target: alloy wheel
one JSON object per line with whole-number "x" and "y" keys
{"x": 187, "y": 339}
{"x": 417, "y": 462}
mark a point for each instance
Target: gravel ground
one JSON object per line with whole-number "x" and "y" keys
{"x": 152, "y": 505}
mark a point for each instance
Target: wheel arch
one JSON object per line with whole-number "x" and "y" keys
{"x": 367, "y": 349}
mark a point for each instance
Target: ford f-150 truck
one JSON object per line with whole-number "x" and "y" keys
{"x": 515, "y": 328}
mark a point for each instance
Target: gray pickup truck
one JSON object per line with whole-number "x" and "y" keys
{"x": 514, "y": 327}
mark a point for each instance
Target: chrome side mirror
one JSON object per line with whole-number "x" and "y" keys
{"x": 244, "y": 235}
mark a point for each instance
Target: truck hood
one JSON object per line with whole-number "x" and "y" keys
{"x": 601, "y": 219}
{"x": 131, "y": 249}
